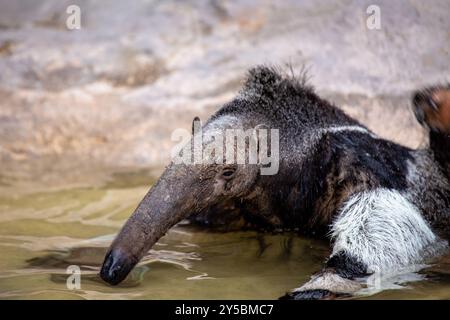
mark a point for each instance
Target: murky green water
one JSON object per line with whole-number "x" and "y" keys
{"x": 43, "y": 230}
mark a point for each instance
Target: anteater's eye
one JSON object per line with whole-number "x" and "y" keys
{"x": 227, "y": 173}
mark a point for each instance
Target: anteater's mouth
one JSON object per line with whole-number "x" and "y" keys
{"x": 116, "y": 267}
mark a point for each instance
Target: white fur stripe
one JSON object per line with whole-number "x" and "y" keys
{"x": 384, "y": 230}
{"x": 338, "y": 129}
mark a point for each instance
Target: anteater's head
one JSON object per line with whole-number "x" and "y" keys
{"x": 207, "y": 172}
{"x": 211, "y": 172}
{"x": 199, "y": 179}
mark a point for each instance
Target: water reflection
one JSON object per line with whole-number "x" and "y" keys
{"x": 44, "y": 232}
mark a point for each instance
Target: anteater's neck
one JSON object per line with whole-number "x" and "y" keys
{"x": 440, "y": 145}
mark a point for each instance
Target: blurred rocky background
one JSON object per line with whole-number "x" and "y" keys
{"x": 109, "y": 94}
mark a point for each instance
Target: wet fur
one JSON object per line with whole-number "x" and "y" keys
{"x": 322, "y": 168}
{"x": 382, "y": 206}
{"x": 327, "y": 167}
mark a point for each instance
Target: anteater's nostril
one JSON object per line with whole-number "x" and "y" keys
{"x": 114, "y": 271}
{"x": 116, "y": 267}
{"x": 112, "y": 274}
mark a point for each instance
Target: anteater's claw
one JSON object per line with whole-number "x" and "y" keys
{"x": 316, "y": 294}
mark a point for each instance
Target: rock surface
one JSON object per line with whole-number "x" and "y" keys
{"x": 111, "y": 93}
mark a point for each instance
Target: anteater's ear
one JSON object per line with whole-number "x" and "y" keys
{"x": 196, "y": 125}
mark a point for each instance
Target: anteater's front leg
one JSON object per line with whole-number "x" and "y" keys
{"x": 336, "y": 280}
{"x": 376, "y": 231}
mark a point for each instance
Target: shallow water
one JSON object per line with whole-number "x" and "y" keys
{"x": 43, "y": 230}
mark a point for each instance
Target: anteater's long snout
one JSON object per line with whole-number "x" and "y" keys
{"x": 168, "y": 202}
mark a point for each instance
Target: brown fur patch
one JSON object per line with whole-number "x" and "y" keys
{"x": 433, "y": 108}
{"x": 442, "y": 99}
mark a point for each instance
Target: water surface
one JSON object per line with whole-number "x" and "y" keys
{"x": 44, "y": 229}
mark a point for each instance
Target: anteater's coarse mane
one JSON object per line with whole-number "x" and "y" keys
{"x": 284, "y": 99}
